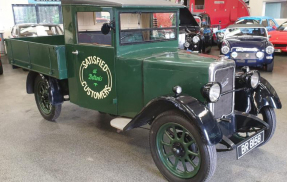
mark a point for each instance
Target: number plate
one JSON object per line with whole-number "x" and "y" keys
{"x": 250, "y": 144}
{"x": 277, "y": 50}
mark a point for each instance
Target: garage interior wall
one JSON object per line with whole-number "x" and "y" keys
{"x": 6, "y": 11}
{"x": 258, "y": 7}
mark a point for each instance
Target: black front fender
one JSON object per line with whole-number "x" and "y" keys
{"x": 265, "y": 95}
{"x": 194, "y": 110}
{"x": 252, "y": 101}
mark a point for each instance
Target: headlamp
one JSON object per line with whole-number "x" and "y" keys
{"x": 270, "y": 50}
{"x": 234, "y": 54}
{"x": 260, "y": 55}
{"x": 225, "y": 49}
{"x": 195, "y": 39}
{"x": 211, "y": 91}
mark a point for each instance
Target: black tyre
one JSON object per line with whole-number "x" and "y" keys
{"x": 269, "y": 67}
{"x": 269, "y": 116}
{"x": 1, "y": 68}
{"x": 48, "y": 111}
{"x": 178, "y": 149}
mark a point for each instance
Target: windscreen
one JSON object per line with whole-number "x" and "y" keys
{"x": 247, "y": 32}
{"x": 246, "y": 21}
{"x": 147, "y": 27}
{"x": 283, "y": 27}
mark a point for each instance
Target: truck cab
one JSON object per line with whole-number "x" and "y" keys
{"x": 114, "y": 72}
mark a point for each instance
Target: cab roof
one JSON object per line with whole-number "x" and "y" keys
{"x": 125, "y": 3}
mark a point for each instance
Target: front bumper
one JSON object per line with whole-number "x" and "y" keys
{"x": 252, "y": 60}
{"x": 280, "y": 49}
{"x": 236, "y": 124}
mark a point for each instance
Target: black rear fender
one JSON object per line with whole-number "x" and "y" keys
{"x": 194, "y": 110}
{"x": 56, "y": 95}
{"x": 30, "y": 82}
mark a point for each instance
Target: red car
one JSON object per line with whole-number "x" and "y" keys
{"x": 279, "y": 38}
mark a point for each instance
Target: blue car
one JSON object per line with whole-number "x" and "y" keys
{"x": 269, "y": 23}
{"x": 248, "y": 45}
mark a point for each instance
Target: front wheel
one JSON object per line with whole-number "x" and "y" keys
{"x": 269, "y": 67}
{"x": 178, "y": 149}
{"x": 1, "y": 69}
{"x": 268, "y": 116}
{"x": 48, "y": 111}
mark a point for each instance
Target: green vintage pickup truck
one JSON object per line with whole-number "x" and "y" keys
{"x": 120, "y": 57}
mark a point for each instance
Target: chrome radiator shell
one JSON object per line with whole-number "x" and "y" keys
{"x": 223, "y": 71}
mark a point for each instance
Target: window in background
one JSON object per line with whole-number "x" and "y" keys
{"x": 199, "y": 4}
{"x": 276, "y": 9}
{"x": 26, "y": 13}
{"x": 49, "y": 14}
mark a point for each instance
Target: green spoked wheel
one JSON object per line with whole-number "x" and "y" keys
{"x": 41, "y": 90}
{"x": 178, "y": 150}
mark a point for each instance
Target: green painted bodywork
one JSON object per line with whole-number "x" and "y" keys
{"x": 45, "y": 55}
{"x": 138, "y": 72}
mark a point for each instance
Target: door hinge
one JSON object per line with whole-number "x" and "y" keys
{"x": 115, "y": 101}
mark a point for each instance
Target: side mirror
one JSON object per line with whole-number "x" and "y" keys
{"x": 106, "y": 28}
{"x": 274, "y": 27}
{"x": 269, "y": 36}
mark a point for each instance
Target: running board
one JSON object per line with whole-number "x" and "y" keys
{"x": 120, "y": 123}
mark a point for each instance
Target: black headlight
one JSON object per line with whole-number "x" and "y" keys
{"x": 250, "y": 78}
{"x": 253, "y": 79}
{"x": 211, "y": 91}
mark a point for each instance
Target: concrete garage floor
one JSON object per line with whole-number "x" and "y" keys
{"x": 82, "y": 146}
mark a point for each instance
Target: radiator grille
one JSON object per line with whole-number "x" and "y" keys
{"x": 244, "y": 55}
{"x": 225, "y": 76}
{"x": 280, "y": 45}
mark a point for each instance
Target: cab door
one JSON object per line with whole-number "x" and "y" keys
{"x": 91, "y": 61}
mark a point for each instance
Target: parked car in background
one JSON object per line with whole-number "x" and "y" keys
{"x": 248, "y": 45}
{"x": 34, "y": 30}
{"x": 266, "y": 21}
{"x": 279, "y": 38}
{"x": 198, "y": 34}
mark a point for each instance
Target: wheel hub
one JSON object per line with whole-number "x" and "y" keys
{"x": 178, "y": 149}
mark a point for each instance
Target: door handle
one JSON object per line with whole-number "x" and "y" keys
{"x": 75, "y": 52}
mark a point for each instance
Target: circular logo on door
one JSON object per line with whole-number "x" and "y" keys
{"x": 95, "y": 77}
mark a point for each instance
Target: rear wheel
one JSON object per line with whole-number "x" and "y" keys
{"x": 178, "y": 149}
{"x": 269, "y": 67}
{"x": 48, "y": 111}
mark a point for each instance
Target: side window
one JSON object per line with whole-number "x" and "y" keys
{"x": 89, "y": 28}
{"x": 271, "y": 23}
{"x": 265, "y": 23}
